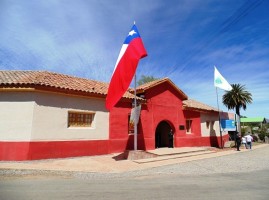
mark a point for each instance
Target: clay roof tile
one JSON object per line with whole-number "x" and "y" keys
{"x": 191, "y": 104}
{"x": 54, "y": 80}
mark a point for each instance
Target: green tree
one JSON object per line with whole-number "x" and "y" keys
{"x": 145, "y": 79}
{"x": 237, "y": 98}
{"x": 263, "y": 131}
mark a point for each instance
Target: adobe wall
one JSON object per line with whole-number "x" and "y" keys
{"x": 34, "y": 125}
{"x": 210, "y": 124}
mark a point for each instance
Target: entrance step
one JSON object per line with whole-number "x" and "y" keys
{"x": 173, "y": 151}
{"x": 138, "y": 154}
{"x": 174, "y": 155}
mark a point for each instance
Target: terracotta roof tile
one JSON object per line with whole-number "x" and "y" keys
{"x": 54, "y": 80}
{"x": 191, "y": 104}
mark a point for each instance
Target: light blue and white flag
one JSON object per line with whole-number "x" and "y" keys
{"x": 220, "y": 81}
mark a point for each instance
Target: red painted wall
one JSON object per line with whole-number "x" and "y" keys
{"x": 119, "y": 137}
{"x": 56, "y": 149}
{"x": 196, "y": 122}
{"x": 164, "y": 103}
{"x": 193, "y": 141}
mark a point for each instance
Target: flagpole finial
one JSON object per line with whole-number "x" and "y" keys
{"x": 134, "y": 22}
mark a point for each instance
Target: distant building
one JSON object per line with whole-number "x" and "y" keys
{"x": 51, "y": 115}
{"x": 261, "y": 120}
{"x": 258, "y": 121}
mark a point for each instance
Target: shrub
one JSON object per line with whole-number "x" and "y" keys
{"x": 255, "y": 138}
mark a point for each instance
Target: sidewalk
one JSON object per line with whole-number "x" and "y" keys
{"x": 110, "y": 163}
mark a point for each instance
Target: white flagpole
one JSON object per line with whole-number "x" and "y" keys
{"x": 135, "y": 123}
{"x": 221, "y": 145}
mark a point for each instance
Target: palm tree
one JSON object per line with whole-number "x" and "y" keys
{"x": 237, "y": 98}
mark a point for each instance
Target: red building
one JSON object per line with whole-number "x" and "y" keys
{"x": 50, "y": 115}
{"x": 165, "y": 108}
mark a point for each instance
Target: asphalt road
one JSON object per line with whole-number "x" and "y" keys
{"x": 237, "y": 176}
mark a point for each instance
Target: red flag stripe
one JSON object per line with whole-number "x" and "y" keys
{"x": 124, "y": 72}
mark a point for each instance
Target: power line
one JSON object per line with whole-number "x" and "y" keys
{"x": 240, "y": 13}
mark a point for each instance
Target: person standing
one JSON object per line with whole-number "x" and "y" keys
{"x": 238, "y": 141}
{"x": 249, "y": 139}
{"x": 244, "y": 142}
{"x": 171, "y": 138}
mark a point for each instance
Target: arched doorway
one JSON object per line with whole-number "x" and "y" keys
{"x": 161, "y": 134}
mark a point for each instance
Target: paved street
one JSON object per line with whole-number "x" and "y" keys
{"x": 242, "y": 175}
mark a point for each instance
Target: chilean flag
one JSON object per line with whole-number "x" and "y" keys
{"x": 131, "y": 52}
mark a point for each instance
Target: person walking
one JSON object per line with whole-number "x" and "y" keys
{"x": 238, "y": 141}
{"x": 244, "y": 141}
{"x": 249, "y": 139}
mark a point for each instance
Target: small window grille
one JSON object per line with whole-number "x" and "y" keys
{"x": 80, "y": 119}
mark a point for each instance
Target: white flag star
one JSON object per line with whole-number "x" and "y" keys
{"x": 132, "y": 32}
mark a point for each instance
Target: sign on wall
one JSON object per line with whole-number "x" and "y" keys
{"x": 228, "y": 125}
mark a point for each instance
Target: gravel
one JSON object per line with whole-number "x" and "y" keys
{"x": 247, "y": 161}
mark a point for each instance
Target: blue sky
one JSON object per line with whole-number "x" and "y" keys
{"x": 184, "y": 40}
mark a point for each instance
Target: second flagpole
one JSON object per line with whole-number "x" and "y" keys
{"x": 221, "y": 145}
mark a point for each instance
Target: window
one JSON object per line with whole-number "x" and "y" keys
{"x": 80, "y": 119}
{"x": 207, "y": 124}
{"x": 188, "y": 125}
